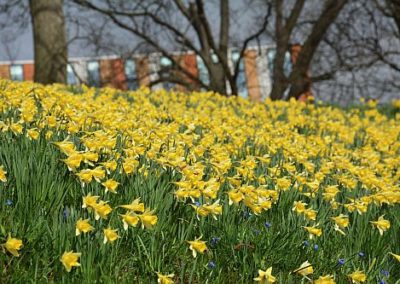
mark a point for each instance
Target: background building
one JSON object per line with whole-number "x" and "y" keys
{"x": 254, "y": 80}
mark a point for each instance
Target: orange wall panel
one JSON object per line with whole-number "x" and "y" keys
{"x": 119, "y": 78}
{"x": 250, "y": 65}
{"x": 106, "y": 72}
{"x": 29, "y": 71}
{"x": 190, "y": 63}
{"x": 5, "y": 71}
{"x": 142, "y": 71}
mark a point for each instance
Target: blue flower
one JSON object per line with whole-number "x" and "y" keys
{"x": 197, "y": 204}
{"x": 306, "y": 243}
{"x": 341, "y": 261}
{"x": 382, "y": 281}
{"x": 66, "y": 213}
{"x": 361, "y": 254}
{"x": 385, "y": 273}
{"x": 267, "y": 225}
{"x": 211, "y": 265}
{"x": 315, "y": 247}
{"x": 9, "y": 202}
{"x": 214, "y": 241}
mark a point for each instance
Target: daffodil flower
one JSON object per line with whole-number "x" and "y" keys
{"x": 110, "y": 235}
{"x": 197, "y": 246}
{"x": 358, "y": 277}
{"x": 266, "y": 276}
{"x": 89, "y": 201}
{"x": 3, "y": 173}
{"x": 83, "y": 226}
{"x": 305, "y": 269}
{"x": 130, "y": 219}
{"x": 382, "y": 225}
{"x": 135, "y": 206}
{"x": 341, "y": 223}
{"x": 13, "y": 245}
{"x": 313, "y": 231}
{"x": 396, "y": 256}
{"x": 328, "y": 279}
{"x": 164, "y": 279}
{"x": 111, "y": 185}
{"x": 148, "y": 219}
{"x": 70, "y": 259}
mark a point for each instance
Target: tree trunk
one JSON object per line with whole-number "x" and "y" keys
{"x": 298, "y": 77}
{"x": 217, "y": 79}
{"x": 49, "y": 36}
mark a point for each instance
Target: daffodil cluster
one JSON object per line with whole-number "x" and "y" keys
{"x": 223, "y": 153}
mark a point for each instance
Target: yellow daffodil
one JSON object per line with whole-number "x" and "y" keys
{"x": 266, "y": 276}
{"x": 310, "y": 214}
{"x": 165, "y": 279}
{"x": 313, "y": 231}
{"x": 382, "y": 225}
{"x": 13, "y": 245}
{"x": 358, "y": 277}
{"x": 235, "y": 197}
{"x": 130, "y": 219}
{"x": 89, "y": 157}
{"x": 70, "y": 259}
{"x": 98, "y": 173}
{"x": 148, "y": 219}
{"x": 111, "y": 185}
{"x": 17, "y": 128}
{"x": 135, "y": 206}
{"x": 89, "y": 201}
{"x": 73, "y": 162}
{"x": 85, "y": 176}
{"x": 341, "y": 223}
{"x": 33, "y": 134}
{"x": 83, "y": 226}
{"x": 197, "y": 246}
{"x": 102, "y": 210}
{"x": 299, "y": 207}
{"x": 396, "y": 256}
{"x": 3, "y": 173}
{"x": 110, "y": 235}
{"x": 305, "y": 269}
{"x": 328, "y": 279}
{"x": 66, "y": 147}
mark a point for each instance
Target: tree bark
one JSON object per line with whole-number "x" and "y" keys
{"x": 282, "y": 34}
{"x": 298, "y": 78}
{"x": 50, "y": 43}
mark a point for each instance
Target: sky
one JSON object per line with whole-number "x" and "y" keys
{"x": 17, "y": 43}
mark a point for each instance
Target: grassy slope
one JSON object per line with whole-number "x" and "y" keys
{"x": 46, "y": 202}
{"x": 46, "y": 199}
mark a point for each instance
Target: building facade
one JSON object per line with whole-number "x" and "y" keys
{"x": 254, "y": 80}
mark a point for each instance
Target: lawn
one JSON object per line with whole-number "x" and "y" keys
{"x": 100, "y": 185}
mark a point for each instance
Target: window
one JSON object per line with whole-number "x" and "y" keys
{"x": 287, "y": 65}
{"x": 165, "y": 72}
{"x": 93, "y": 73}
{"x": 130, "y": 73}
{"x": 271, "y": 53}
{"x": 241, "y": 78}
{"x": 154, "y": 70}
{"x": 203, "y": 71}
{"x": 17, "y": 73}
{"x": 71, "y": 79}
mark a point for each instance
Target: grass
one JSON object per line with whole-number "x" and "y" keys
{"x": 42, "y": 199}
